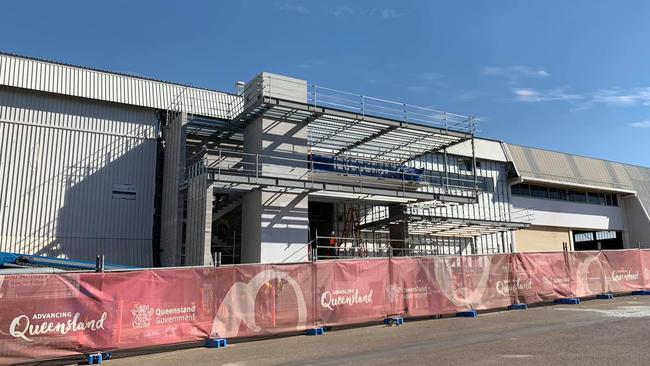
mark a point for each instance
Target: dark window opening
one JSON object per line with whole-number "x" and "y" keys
{"x": 561, "y": 194}
{"x": 597, "y": 240}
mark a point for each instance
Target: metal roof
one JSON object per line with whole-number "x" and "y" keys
{"x": 52, "y": 77}
{"x": 540, "y": 165}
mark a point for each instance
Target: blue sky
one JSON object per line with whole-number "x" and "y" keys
{"x": 572, "y": 76}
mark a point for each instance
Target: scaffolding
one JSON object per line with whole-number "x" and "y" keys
{"x": 358, "y": 148}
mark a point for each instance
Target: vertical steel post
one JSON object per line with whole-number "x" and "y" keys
{"x": 234, "y": 233}
{"x": 99, "y": 263}
{"x": 474, "y": 158}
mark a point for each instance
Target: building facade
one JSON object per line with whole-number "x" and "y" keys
{"x": 151, "y": 173}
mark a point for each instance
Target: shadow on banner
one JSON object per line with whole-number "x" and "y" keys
{"x": 48, "y": 316}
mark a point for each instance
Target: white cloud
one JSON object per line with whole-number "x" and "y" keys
{"x": 534, "y": 95}
{"x": 342, "y": 11}
{"x": 513, "y": 74}
{"x": 641, "y": 124}
{"x": 391, "y": 13}
{"x": 292, "y": 6}
{"x": 623, "y": 97}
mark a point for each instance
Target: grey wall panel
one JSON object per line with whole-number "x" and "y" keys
{"x": 70, "y": 80}
{"x": 61, "y": 158}
{"x": 172, "y": 204}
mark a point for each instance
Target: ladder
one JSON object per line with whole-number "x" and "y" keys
{"x": 351, "y": 229}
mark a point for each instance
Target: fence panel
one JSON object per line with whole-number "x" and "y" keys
{"x": 47, "y": 316}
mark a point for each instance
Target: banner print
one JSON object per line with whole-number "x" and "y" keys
{"x": 48, "y": 316}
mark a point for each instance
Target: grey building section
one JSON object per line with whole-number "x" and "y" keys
{"x": 146, "y": 172}
{"x": 77, "y": 177}
{"x": 631, "y": 182}
{"x": 79, "y": 152}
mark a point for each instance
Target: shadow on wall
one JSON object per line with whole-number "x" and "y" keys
{"x": 102, "y": 212}
{"x": 87, "y": 178}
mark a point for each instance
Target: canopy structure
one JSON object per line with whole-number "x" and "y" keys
{"x": 342, "y": 123}
{"x": 364, "y": 131}
{"x": 445, "y": 226}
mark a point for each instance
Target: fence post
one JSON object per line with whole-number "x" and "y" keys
{"x": 99, "y": 263}
{"x": 217, "y": 259}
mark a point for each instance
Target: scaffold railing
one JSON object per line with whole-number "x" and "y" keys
{"x": 248, "y": 101}
{"x": 384, "y": 108}
{"x": 223, "y": 164}
{"x": 337, "y": 247}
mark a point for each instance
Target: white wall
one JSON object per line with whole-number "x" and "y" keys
{"x": 546, "y": 212}
{"x": 60, "y": 160}
{"x": 638, "y": 222}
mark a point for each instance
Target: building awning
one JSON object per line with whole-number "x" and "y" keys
{"x": 445, "y": 226}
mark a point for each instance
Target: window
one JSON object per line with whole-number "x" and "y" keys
{"x": 465, "y": 164}
{"x": 580, "y": 237}
{"x": 593, "y": 198}
{"x": 521, "y": 190}
{"x": 561, "y": 194}
{"x": 577, "y": 196}
{"x": 605, "y": 235}
{"x": 539, "y": 192}
{"x": 557, "y": 194}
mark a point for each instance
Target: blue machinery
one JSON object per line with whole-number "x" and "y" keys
{"x": 23, "y": 261}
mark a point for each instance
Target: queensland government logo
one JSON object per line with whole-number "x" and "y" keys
{"x": 142, "y": 314}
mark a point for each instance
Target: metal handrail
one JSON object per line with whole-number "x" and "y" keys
{"x": 317, "y": 95}
{"x": 250, "y": 164}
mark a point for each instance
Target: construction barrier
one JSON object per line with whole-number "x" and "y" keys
{"x": 47, "y": 316}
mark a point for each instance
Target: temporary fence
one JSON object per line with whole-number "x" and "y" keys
{"x": 47, "y": 316}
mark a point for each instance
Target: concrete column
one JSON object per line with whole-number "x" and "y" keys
{"x": 275, "y": 227}
{"x": 275, "y": 224}
{"x": 172, "y": 203}
{"x": 398, "y": 231}
{"x": 198, "y": 229}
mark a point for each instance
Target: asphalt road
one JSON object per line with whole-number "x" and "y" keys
{"x": 597, "y": 332}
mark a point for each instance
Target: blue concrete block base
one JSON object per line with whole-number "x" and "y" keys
{"x": 394, "y": 320}
{"x": 216, "y": 343}
{"x": 641, "y": 292}
{"x": 316, "y": 331}
{"x": 605, "y": 296}
{"x": 467, "y": 314}
{"x": 568, "y": 301}
{"x": 95, "y": 359}
{"x": 519, "y": 306}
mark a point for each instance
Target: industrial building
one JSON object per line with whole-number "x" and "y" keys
{"x": 151, "y": 173}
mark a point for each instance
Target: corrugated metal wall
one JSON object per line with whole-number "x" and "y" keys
{"x": 551, "y": 165}
{"x": 562, "y": 167}
{"x": 172, "y": 204}
{"x": 60, "y": 161}
{"x": 57, "y": 78}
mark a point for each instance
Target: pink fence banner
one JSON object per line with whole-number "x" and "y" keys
{"x": 49, "y": 316}
{"x": 541, "y": 277}
{"x": 622, "y": 271}
{"x": 645, "y": 267}
{"x": 351, "y": 292}
{"x": 414, "y": 290}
